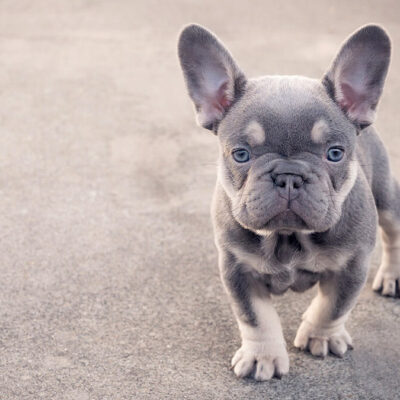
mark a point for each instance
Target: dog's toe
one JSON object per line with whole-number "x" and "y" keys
{"x": 318, "y": 347}
{"x": 264, "y": 370}
{"x": 243, "y": 367}
{"x": 281, "y": 365}
{"x": 389, "y": 287}
{"x": 338, "y": 345}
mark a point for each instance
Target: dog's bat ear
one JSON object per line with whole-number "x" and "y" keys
{"x": 212, "y": 77}
{"x": 356, "y": 77}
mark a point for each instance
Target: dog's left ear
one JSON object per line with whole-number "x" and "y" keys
{"x": 356, "y": 77}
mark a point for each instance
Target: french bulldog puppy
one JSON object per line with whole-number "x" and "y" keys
{"x": 303, "y": 179}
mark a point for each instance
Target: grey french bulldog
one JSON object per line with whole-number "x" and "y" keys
{"x": 303, "y": 180}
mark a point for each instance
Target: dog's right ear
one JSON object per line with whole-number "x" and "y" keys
{"x": 212, "y": 77}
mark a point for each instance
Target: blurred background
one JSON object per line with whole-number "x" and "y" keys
{"x": 109, "y": 287}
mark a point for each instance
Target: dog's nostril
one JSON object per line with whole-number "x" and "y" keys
{"x": 280, "y": 181}
{"x": 298, "y": 182}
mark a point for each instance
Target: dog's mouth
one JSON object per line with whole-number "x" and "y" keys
{"x": 286, "y": 222}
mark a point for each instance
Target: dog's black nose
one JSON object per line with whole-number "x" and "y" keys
{"x": 288, "y": 185}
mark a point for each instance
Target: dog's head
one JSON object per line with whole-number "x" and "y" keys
{"x": 287, "y": 144}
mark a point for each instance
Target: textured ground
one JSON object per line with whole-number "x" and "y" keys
{"x": 108, "y": 279}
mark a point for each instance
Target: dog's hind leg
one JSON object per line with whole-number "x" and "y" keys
{"x": 387, "y": 279}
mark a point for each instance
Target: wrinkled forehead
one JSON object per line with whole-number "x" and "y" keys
{"x": 291, "y": 113}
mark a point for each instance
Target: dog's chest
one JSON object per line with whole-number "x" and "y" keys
{"x": 291, "y": 262}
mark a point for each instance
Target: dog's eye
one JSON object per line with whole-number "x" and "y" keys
{"x": 335, "y": 154}
{"x": 241, "y": 155}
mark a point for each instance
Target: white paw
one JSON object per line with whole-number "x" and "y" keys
{"x": 387, "y": 279}
{"x": 270, "y": 360}
{"x": 319, "y": 341}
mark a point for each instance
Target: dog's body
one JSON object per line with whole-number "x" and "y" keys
{"x": 302, "y": 179}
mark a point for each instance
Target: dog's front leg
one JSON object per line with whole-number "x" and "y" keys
{"x": 263, "y": 347}
{"x": 322, "y": 329}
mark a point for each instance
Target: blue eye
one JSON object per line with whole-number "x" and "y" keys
{"x": 241, "y": 155}
{"x": 335, "y": 154}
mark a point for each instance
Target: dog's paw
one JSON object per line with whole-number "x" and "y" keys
{"x": 387, "y": 280}
{"x": 319, "y": 341}
{"x": 269, "y": 360}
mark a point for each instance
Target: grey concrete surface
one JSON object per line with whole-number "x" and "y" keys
{"x": 109, "y": 286}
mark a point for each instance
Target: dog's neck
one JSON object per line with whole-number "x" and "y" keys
{"x": 285, "y": 250}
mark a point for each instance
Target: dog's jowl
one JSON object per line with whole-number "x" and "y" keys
{"x": 303, "y": 180}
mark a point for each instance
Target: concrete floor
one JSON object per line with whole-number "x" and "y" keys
{"x": 109, "y": 286}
